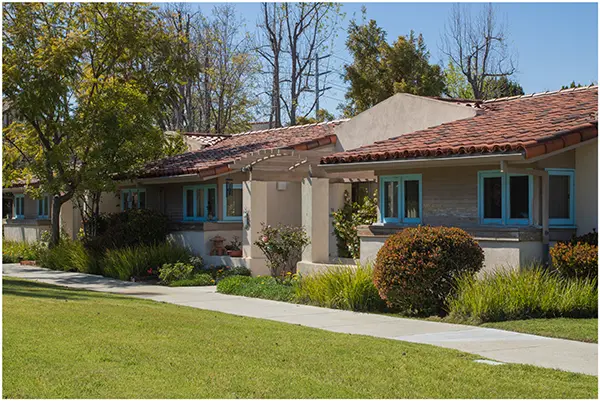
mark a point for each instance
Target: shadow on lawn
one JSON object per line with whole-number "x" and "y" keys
{"x": 22, "y": 288}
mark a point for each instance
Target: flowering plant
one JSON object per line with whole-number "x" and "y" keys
{"x": 283, "y": 246}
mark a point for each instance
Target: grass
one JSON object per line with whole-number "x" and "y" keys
{"x": 65, "y": 343}
{"x": 571, "y": 329}
{"x": 526, "y": 294}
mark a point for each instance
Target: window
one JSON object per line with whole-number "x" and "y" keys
{"x": 19, "y": 206}
{"x": 199, "y": 202}
{"x": 133, "y": 199}
{"x": 42, "y": 207}
{"x": 401, "y": 198}
{"x": 361, "y": 190}
{"x": 562, "y": 197}
{"x": 505, "y": 198}
{"x": 232, "y": 202}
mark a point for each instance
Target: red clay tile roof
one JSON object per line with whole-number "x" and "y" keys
{"x": 203, "y": 140}
{"x": 529, "y": 124}
{"x": 215, "y": 159}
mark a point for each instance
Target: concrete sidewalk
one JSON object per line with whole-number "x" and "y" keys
{"x": 494, "y": 344}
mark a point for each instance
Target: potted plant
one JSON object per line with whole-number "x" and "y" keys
{"x": 234, "y": 249}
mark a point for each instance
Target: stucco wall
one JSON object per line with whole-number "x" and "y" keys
{"x": 284, "y": 205}
{"x": 397, "y": 115}
{"x": 24, "y": 232}
{"x": 199, "y": 241}
{"x": 586, "y": 188}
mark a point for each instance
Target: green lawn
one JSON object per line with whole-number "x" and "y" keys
{"x": 62, "y": 343}
{"x": 571, "y": 329}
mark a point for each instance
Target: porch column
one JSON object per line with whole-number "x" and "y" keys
{"x": 254, "y": 201}
{"x": 315, "y": 218}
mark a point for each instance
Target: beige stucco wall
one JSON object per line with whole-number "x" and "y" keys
{"x": 586, "y": 188}
{"x": 400, "y": 114}
{"x": 284, "y": 205}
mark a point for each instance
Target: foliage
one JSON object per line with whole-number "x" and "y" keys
{"x": 129, "y": 228}
{"x": 16, "y": 251}
{"x": 589, "y": 238}
{"x": 137, "y": 261}
{"x": 347, "y": 219}
{"x": 170, "y": 272}
{"x": 573, "y": 85}
{"x": 87, "y": 82}
{"x": 321, "y": 115}
{"x": 258, "y": 287}
{"x": 529, "y": 293}
{"x": 577, "y": 259}
{"x": 235, "y": 244}
{"x": 416, "y": 269}
{"x": 341, "y": 287}
{"x": 457, "y": 86}
{"x": 283, "y": 246}
{"x": 379, "y": 70}
{"x": 70, "y": 255}
{"x": 197, "y": 262}
{"x": 195, "y": 280}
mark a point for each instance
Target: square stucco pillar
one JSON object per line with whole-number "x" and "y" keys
{"x": 315, "y": 219}
{"x": 254, "y": 201}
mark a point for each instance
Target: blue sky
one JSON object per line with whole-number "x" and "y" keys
{"x": 555, "y": 43}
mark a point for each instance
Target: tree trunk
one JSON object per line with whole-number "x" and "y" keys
{"x": 55, "y": 221}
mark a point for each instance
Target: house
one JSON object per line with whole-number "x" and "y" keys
{"x": 519, "y": 174}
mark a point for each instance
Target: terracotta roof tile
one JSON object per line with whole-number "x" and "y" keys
{"x": 215, "y": 159}
{"x": 531, "y": 124}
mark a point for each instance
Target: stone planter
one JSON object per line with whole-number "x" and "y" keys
{"x": 235, "y": 254}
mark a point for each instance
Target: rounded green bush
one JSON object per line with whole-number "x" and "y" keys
{"x": 416, "y": 269}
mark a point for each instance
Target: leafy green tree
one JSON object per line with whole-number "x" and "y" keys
{"x": 571, "y": 85}
{"x": 87, "y": 81}
{"x": 379, "y": 69}
{"x": 502, "y": 87}
{"x": 457, "y": 86}
{"x": 322, "y": 115}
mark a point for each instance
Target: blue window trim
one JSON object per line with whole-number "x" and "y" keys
{"x": 22, "y": 215}
{"x": 45, "y": 199}
{"x": 505, "y": 182}
{"x": 130, "y": 191}
{"x": 571, "y": 174}
{"x": 194, "y": 188}
{"x": 401, "y": 179}
{"x": 225, "y": 216}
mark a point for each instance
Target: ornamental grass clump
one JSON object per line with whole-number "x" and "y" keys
{"x": 529, "y": 293}
{"x": 341, "y": 287}
{"x": 417, "y": 268}
{"x": 283, "y": 246}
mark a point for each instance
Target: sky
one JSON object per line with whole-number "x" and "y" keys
{"x": 553, "y": 43}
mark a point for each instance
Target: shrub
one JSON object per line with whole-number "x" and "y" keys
{"x": 282, "y": 246}
{"x": 347, "y": 219}
{"x": 575, "y": 260}
{"x": 531, "y": 293}
{"x": 200, "y": 279}
{"x": 416, "y": 269}
{"x": 141, "y": 260}
{"x": 132, "y": 227}
{"x": 14, "y": 252}
{"x": 258, "y": 287}
{"x": 341, "y": 287}
{"x": 59, "y": 257}
{"x": 589, "y": 238}
{"x": 221, "y": 271}
{"x": 170, "y": 272}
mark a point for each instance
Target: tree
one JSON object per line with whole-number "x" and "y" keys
{"x": 321, "y": 116}
{"x": 457, "y": 86}
{"x": 479, "y": 49}
{"x": 291, "y": 36}
{"x": 502, "y": 87}
{"x": 571, "y": 85}
{"x": 214, "y": 57}
{"x": 379, "y": 70}
{"x": 87, "y": 81}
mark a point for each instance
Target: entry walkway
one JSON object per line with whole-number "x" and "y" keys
{"x": 498, "y": 345}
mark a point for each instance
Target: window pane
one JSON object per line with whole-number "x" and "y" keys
{"x": 560, "y": 195}
{"x": 390, "y": 198}
{"x": 519, "y": 197}
{"x": 125, "y": 200}
{"x": 411, "y": 199}
{"x": 189, "y": 203}
{"x": 142, "y": 199}
{"x": 200, "y": 202}
{"x": 234, "y": 203}
{"x": 21, "y": 204}
{"x": 46, "y": 202}
{"x": 212, "y": 201}
{"x": 40, "y": 204}
{"x": 134, "y": 199}
{"x": 492, "y": 198}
